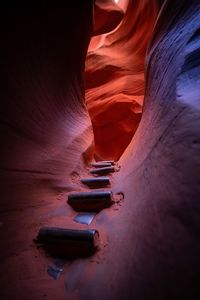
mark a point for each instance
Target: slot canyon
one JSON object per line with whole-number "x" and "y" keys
{"x": 111, "y": 82}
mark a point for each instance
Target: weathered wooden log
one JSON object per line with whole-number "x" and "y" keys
{"x": 90, "y": 201}
{"x": 96, "y": 182}
{"x": 103, "y": 171}
{"x": 101, "y": 164}
{"x": 70, "y": 243}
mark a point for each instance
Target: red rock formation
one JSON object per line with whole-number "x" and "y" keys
{"x": 45, "y": 127}
{"x": 155, "y": 234}
{"x": 46, "y": 133}
{"x": 150, "y": 243}
{"x": 115, "y": 78}
{"x": 107, "y": 15}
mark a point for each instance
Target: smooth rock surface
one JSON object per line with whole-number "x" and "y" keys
{"x": 149, "y": 240}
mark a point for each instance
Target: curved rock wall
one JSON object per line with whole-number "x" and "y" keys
{"x": 46, "y": 133}
{"x": 152, "y": 238}
{"x": 45, "y": 126}
{"x": 155, "y": 233}
{"x": 115, "y": 78}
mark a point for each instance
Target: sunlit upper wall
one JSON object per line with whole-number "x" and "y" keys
{"x": 117, "y": 6}
{"x": 123, "y": 4}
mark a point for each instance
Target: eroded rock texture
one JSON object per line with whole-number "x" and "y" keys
{"x": 155, "y": 234}
{"x": 115, "y": 78}
{"x": 45, "y": 127}
{"x": 150, "y": 241}
{"x": 46, "y": 133}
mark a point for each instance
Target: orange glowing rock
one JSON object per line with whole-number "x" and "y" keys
{"x": 107, "y": 15}
{"x": 115, "y": 77}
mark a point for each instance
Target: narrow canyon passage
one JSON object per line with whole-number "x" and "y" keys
{"x": 115, "y": 78}
{"x": 150, "y": 238}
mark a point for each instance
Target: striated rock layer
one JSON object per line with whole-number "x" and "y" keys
{"x": 155, "y": 234}
{"x": 115, "y": 78}
{"x": 45, "y": 126}
{"x": 46, "y": 133}
{"x": 149, "y": 241}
